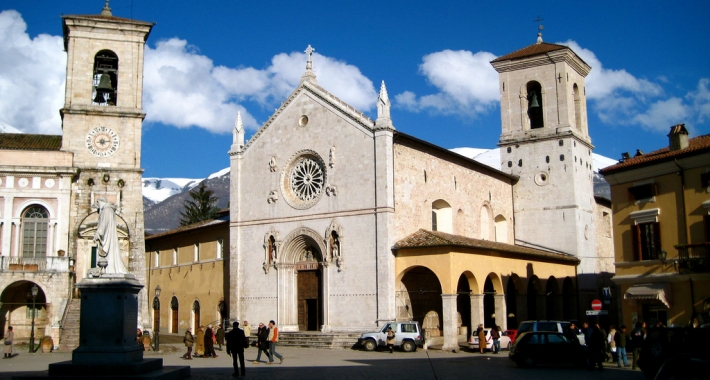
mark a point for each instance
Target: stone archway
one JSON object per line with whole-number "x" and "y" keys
{"x": 303, "y": 282}
{"x": 16, "y": 308}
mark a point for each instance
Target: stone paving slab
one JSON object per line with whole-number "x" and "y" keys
{"x": 345, "y": 364}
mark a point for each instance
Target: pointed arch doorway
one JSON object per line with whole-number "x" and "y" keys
{"x": 303, "y": 283}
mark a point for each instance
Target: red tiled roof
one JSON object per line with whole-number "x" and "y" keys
{"x": 22, "y": 141}
{"x": 531, "y": 50}
{"x": 428, "y": 239}
{"x": 696, "y": 145}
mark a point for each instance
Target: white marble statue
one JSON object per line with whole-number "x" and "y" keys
{"x": 107, "y": 238}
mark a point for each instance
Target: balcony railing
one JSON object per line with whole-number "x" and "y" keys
{"x": 694, "y": 257}
{"x": 34, "y": 264}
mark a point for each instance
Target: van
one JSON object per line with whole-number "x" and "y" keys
{"x": 544, "y": 325}
{"x": 407, "y": 335}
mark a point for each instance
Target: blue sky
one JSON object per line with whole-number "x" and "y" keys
{"x": 206, "y": 60}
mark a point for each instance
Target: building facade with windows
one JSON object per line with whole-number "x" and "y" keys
{"x": 190, "y": 264}
{"x": 50, "y": 184}
{"x": 661, "y": 216}
{"x": 340, "y": 222}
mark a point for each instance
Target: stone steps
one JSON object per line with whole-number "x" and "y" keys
{"x": 69, "y": 337}
{"x": 332, "y": 340}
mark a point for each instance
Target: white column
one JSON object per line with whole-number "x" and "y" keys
{"x": 450, "y": 320}
{"x": 476, "y": 311}
{"x": 16, "y": 249}
{"x": 501, "y": 312}
{"x": 50, "y": 238}
{"x": 325, "y": 296}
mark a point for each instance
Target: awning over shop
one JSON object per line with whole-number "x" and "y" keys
{"x": 659, "y": 291}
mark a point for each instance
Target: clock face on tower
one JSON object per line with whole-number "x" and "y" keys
{"x": 102, "y": 142}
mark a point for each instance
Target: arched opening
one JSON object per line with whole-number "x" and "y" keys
{"x": 553, "y": 299}
{"x": 174, "y": 322}
{"x": 485, "y": 223}
{"x": 463, "y": 302}
{"x": 105, "y": 82}
{"x": 489, "y": 306}
{"x": 35, "y": 220}
{"x": 501, "y": 229}
{"x": 533, "y": 298}
{"x": 511, "y": 301}
{"x": 569, "y": 300}
{"x": 195, "y": 315}
{"x": 156, "y": 314}
{"x": 441, "y": 217}
{"x": 577, "y": 107}
{"x": 424, "y": 290}
{"x": 460, "y": 223}
{"x": 18, "y": 306}
{"x": 309, "y": 288}
{"x": 535, "y": 114}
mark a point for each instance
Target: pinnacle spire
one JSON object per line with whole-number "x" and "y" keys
{"x": 309, "y": 75}
{"x": 383, "y": 109}
{"x": 106, "y": 11}
{"x": 238, "y": 132}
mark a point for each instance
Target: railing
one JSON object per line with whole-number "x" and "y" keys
{"x": 694, "y": 257}
{"x": 34, "y": 264}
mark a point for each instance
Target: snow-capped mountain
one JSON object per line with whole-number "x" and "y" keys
{"x": 159, "y": 189}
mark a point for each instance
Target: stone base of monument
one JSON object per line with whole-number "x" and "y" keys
{"x": 107, "y": 337}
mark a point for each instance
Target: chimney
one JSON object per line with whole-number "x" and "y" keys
{"x": 678, "y": 138}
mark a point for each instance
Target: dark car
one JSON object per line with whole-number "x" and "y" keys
{"x": 546, "y": 347}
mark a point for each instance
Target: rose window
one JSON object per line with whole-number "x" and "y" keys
{"x": 307, "y": 179}
{"x": 304, "y": 179}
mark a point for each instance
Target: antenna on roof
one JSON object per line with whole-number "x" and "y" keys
{"x": 539, "y": 28}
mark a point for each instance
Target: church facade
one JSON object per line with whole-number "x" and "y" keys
{"x": 340, "y": 222}
{"x": 50, "y": 184}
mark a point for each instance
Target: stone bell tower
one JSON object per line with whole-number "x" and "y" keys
{"x": 545, "y": 141}
{"x": 102, "y": 120}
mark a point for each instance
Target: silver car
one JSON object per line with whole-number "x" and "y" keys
{"x": 407, "y": 335}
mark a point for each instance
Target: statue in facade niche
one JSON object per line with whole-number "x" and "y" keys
{"x": 106, "y": 236}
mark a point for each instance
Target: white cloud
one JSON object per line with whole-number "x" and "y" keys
{"x": 184, "y": 88}
{"x": 32, "y": 73}
{"x": 467, "y": 84}
{"x": 700, "y": 100}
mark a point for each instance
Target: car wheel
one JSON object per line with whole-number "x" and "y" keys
{"x": 509, "y": 346}
{"x": 408, "y": 346}
{"x": 369, "y": 345}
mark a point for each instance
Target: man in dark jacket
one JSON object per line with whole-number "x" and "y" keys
{"x": 637, "y": 338}
{"x": 571, "y": 334}
{"x": 236, "y": 343}
{"x": 620, "y": 339}
{"x": 596, "y": 344}
{"x": 262, "y": 343}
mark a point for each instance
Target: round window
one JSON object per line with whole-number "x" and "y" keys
{"x": 304, "y": 180}
{"x": 541, "y": 179}
{"x": 303, "y": 121}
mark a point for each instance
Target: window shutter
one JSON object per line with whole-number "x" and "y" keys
{"x": 657, "y": 237}
{"x": 636, "y": 242}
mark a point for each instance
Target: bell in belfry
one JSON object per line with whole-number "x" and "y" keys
{"x": 533, "y": 101}
{"x": 103, "y": 88}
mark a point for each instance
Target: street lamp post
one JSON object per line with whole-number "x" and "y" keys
{"x": 34, "y": 291}
{"x": 156, "y": 332}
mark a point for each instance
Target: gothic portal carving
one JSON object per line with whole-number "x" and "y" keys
{"x": 271, "y": 249}
{"x": 333, "y": 237}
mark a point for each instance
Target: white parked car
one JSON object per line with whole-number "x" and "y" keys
{"x": 504, "y": 341}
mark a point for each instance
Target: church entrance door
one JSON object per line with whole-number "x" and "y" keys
{"x": 309, "y": 302}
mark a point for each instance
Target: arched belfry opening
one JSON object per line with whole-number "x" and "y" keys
{"x": 535, "y": 104}
{"x": 577, "y": 107}
{"x": 105, "y": 81}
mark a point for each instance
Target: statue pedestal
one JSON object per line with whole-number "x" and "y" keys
{"x": 107, "y": 336}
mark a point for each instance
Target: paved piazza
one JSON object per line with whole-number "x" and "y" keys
{"x": 306, "y": 363}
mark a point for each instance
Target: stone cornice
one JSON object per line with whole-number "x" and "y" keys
{"x": 102, "y": 111}
{"x": 41, "y": 170}
{"x": 565, "y": 55}
{"x": 327, "y": 215}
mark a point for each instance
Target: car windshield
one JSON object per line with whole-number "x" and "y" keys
{"x": 547, "y": 326}
{"x": 387, "y": 326}
{"x": 524, "y": 327}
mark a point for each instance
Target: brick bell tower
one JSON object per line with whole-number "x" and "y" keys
{"x": 102, "y": 120}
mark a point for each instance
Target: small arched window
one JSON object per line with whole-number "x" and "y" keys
{"x": 501, "y": 229}
{"x": 535, "y": 105}
{"x": 441, "y": 217}
{"x": 485, "y": 223}
{"x": 105, "y": 81}
{"x": 35, "y": 220}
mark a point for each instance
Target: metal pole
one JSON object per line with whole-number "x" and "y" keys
{"x": 32, "y": 332}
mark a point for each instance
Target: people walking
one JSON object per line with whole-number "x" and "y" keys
{"x": 262, "y": 336}
{"x": 587, "y": 332}
{"x": 481, "y": 338}
{"x": 247, "y": 329}
{"x": 571, "y": 334}
{"x": 236, "y": 343}
{"x": 612, "y": 343}
{"x": 620, "y": 338}
{"x": 209, "y": 343}
{"x": 189, "y": 341}
{"x": 219, "y": 336}
{"x": 596, "y": 348}
{"x": 273, "y": 341}
{"x": 495, "y": 335}
{"x": 390, "y": 339}
{"x": 9, "y": 341}
{"x": 637, "y": 338}
{"x": 200, "y": 342}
